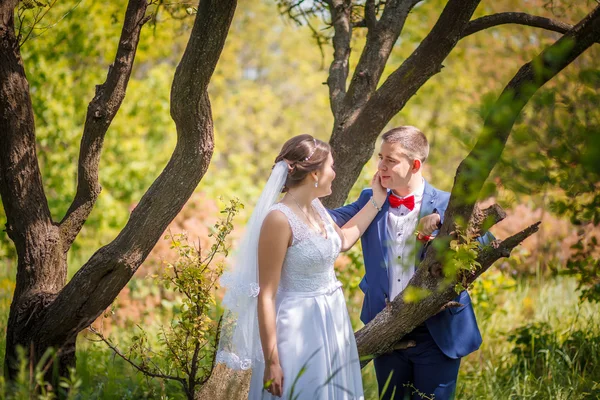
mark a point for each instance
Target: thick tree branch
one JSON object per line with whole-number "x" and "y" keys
{"x": 338, "y": 71}
{"x": 98, "y": 282}
{"x": 383, "y": 333}
{"x": 101, "y": 111}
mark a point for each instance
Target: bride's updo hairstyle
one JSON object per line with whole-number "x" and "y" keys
{"x": 304, "y": 154}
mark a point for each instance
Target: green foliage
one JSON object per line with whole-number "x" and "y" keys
{"x": 536, "y": 345}
{"x": 187, "y": 346}
{"x": 458, "y": 257}
{"x": 32, "y": 380}
{"x": 486, "y": 290}
{"x": 554, "y": 153}
{"x": 585, "y": 265}
{"x": 496, "y": 372}
{"x": 257, "y": 104}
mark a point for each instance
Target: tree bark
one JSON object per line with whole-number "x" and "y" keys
{"x": 338, "y": 71}
{"x": 45, "y": 312}
{"x": 41, "y": 267}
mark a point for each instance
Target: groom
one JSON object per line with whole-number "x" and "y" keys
{"x": 392, "y": 250}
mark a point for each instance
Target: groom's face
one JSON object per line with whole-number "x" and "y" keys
{"x": 395, "y": 167}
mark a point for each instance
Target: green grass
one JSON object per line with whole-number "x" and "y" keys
{"x": 539, "y": 342}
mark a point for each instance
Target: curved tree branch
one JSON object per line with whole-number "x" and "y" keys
{"x": 99, "y": 281}
{"x": 101, "y": 111}
{"x": 383, "y": 333}
{"x": 519, "y": 18}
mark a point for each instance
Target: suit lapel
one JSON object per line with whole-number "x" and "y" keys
{"x": 428, "y": 201}
{"x": 383, "y": 241}
{"x": 427, "y": 207}
{"x": 382, "y": 227}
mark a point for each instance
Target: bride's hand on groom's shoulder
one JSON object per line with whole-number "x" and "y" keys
{"x": 379, "y": 192}
{"x": 273, "y": 379}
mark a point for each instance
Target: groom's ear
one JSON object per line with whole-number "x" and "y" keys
{"x": 417, "y": 165}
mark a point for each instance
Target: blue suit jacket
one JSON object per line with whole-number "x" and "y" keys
{"x": 455, "y": 329}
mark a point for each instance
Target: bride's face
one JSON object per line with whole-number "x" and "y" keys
{"x": 325, "y": 176}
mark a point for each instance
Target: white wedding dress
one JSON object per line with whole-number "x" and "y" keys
{"x": 316, "y": 344}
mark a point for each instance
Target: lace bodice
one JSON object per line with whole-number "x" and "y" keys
{"x": 308, "y": 263}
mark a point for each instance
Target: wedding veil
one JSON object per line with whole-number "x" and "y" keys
{"x": 239, "y": 344}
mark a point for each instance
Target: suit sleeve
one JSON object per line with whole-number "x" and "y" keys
{"x": 344, "y": 214}
{"x": 486, "y": 238}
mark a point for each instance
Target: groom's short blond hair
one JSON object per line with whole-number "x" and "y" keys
{"x": 412, "y": 140}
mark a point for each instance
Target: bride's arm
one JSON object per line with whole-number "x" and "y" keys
{"x": 352, "y": 230}
{"x": 275, "y": 235}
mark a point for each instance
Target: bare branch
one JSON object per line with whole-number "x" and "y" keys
{"x": 132, "y": 363}
{"x": 519, "y": 18}
{"x": 338, "y": 71}
{"x": 489, "y": 216}
{"x": 101, "y": 111}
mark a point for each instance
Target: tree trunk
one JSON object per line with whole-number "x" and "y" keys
{"x": 41, "y": 263}
{"x": 46, "y": 312}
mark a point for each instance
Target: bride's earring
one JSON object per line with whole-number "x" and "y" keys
{"x": 316, "y": 183}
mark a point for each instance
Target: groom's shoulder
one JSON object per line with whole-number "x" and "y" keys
{"x": 441, "y": 195}
{"x": 366, "y": 192}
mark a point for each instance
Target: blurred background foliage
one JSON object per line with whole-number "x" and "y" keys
{"x": 537, "y": 310}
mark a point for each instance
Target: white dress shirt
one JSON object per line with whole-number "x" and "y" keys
{"x": 401, "y": 226}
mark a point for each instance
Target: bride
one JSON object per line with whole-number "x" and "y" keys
{"x": 286, "y": 315}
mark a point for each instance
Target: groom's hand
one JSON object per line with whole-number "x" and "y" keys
{"x": 429, "y": 223}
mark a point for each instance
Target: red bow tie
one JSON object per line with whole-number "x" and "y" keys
{"x": 408, "y": 202}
